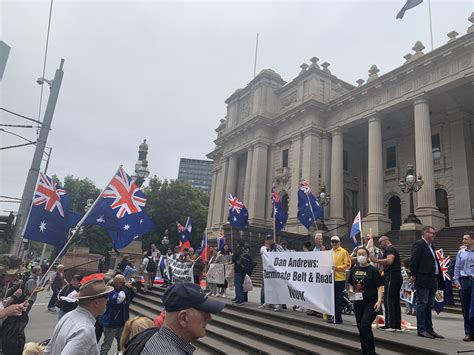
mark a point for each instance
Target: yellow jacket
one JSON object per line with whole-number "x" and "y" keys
{"x": 342, "y": 262}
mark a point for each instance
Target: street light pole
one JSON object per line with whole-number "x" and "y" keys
{"x": 33, "y": 173}
{"x": 410, "y": 184}
{"x": 323, "y": 200}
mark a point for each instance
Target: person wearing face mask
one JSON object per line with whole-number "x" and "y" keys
{"x": 392, "y": 270}
{"x": 365, "y": 290}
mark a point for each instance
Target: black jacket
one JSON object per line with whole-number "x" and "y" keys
{"x": 423, "y": 267}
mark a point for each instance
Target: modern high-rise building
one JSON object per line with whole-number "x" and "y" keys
{"x": 197, "y": 172}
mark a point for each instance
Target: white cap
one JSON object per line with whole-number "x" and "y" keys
{"x": 335, "y": 237}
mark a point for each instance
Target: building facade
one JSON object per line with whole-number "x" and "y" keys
{"x": 356, "y": 141}
{"x": 197, "y": 172}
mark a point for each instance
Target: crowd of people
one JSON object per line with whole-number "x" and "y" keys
{"x": 96, "y": 311}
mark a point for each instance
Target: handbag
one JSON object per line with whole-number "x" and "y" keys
{"x": 248, "y": 284}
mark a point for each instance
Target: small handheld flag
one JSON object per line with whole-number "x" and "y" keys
{"x": 309, "y": 209}
{"x": 185, "y": 238}
{"x": 220, "y": 240}
{"x": 444, "y": 297}
{"x": 356, "y": 229}
{"x": 278, "y": 213}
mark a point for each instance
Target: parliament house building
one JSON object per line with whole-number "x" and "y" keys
{"x": 354, "y": 141}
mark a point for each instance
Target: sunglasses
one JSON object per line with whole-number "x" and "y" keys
{"x": 334, "y": 241}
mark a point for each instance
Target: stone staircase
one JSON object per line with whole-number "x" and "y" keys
{"x": 248, "y": 330}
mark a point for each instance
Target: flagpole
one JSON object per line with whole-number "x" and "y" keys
{"x": 255, "y": 63}
{"x": 360, "y": 227}
{"x": 431, "y": 23}
{"x": 312, "y": 213}
{"x": 76, "y": 229}
{"x": 274, "y": 227}
{"x": 231, "y": 237}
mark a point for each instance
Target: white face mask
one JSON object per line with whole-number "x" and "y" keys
{"x": 362, "y": 259}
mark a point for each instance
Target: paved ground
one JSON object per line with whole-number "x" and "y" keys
{"x": 42, "y": 322}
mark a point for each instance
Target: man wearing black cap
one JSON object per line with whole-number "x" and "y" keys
{"x": 188, "y": 310}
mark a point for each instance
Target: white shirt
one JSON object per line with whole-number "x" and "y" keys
{"x": 263, "y": 249}
{"x": 74, "y": 334}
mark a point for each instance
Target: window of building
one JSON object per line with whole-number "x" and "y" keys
{"x": 436, "y": 148}
{"x": 284, "y": 158}
{"x": 391, "y": 157}
{"x": 345, "y": 160}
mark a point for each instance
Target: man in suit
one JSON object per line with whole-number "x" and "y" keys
{"x": 428, "y": 278}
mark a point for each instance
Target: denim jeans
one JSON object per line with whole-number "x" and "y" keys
{"x": 239, "y": 287}
{"x": 466, "y": 294}
{"x": 424, "y": 305}
{"x": 54, "y": 297}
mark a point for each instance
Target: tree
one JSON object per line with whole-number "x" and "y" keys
{"x": 173, "y": 201}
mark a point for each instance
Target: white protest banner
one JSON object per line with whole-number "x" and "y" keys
{"x": 183, "y": 272}
{"x": 299, "y": 278}
{"x": 215, "y": 274}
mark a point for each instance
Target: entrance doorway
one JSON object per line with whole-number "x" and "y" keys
{"x": 395, "y": 212}
{"x": 442, "y": 204}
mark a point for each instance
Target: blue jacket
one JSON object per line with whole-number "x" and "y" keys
{"x": 117, "y": 312}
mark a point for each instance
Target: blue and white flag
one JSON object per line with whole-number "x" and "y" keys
{"x": 309, "y": 209}
{"x": 356, "y": 229}
{"x": 121, "y": 210}
{"x": 50, "y": 219}
{"x": 409, "y": 5}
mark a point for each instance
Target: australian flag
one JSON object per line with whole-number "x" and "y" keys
{"x": 121, "y": 210}
{"x": 185, "y": 234}
{"x": 278, "y": 213}
{"x": 238, "y": 214}
{"x": 309, "y": 209}
{"x": 446, "y": 296}
{"x": 356, "y": 229}
{"x": 220, "y": 240}
{"x": 408, "y": 5}
{"x": 49, "y": 220}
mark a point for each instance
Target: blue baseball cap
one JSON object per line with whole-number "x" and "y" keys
{"x": 186, "y": 295}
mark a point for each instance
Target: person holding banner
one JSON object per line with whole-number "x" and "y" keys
{"x": 341, "y": 262}
{"x": 365, "y": 290}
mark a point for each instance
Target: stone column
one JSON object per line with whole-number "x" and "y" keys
{"x": 258, "y": 184}
{"x": 230, "y": 183}
{"x": 376, "y": 219}
{"x": 219, "y": 201}
{"x": 248, "y": 171}
{"x": 461, "y": 146}
{"x": 295, "y": 166}
{"x": 337, "y": 178}
{"x": 426, "y": 208}
{"x": 326, "y": 167}
{"x": 211, "y": 198}
{"x": 310, "y": 165}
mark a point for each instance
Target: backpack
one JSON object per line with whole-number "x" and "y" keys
{"x": 137, "y": 343}
{"x": 246, "y": 263}
{"x": 151, "y": 267}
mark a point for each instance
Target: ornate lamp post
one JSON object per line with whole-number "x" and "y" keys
{"x": 409, "y": 184}
{"x": 323, "y": 200}
{"x": 141, "y": 166}
{"x": 165, "y": 241}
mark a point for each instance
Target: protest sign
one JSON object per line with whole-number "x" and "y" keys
{"x": 183, "y": 271}
{"x": 407, "y": 295}
{"x": 300, "y": 278}
{"x": 215, "y": 274}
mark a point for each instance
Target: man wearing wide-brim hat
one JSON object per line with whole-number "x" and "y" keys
{"x": 75, "y": 332}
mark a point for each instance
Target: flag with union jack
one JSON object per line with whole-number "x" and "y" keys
{"x": 446, "y": 296}
{"x": 238, "y": 214}
{"x": 278, "y": 213}
{"x": 49, "y": 219}
{"x": 221, "y": 240}
{"x": 121, "y": 210}
{"x": 185, "y": 234}
{"x": 309, "y": 209}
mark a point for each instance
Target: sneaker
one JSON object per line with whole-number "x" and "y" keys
{"x": 263, "y": 306}
{"x": 277, "y": 309}
{"x": 223, "y": 295}
{"x": 52, "y": 310}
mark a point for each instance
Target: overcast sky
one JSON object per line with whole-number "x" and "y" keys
{"x": 162, "y": 70}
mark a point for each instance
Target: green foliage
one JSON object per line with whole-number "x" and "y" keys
{"x": 173, "y": 201}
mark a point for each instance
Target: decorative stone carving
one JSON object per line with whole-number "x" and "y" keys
{"x": 325, "y": 66}
{"x": 282, "y": 178}
{"x": 289, "y": 99}
{"x": 408, "y": 57}
{"x": 314, "y": 63}
{"x": 360, "y": 82}
{"x": 245, "y": 107}
{"x": 303, "y": 67}
{"x": 418, "y": 48}
{"x": 373, "y": 73}
{"x": 452, "y": 36}
{"x": 470, "y": 29}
